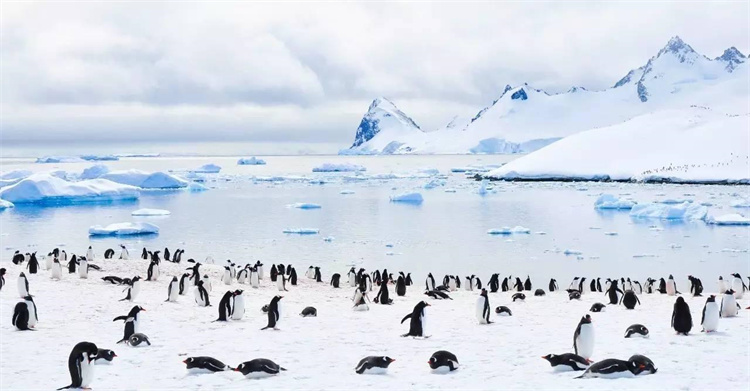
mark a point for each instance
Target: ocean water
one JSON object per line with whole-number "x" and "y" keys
{"x": 243, "y": 215}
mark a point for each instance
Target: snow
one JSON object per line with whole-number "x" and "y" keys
{"x": 146, "y": 180}
{"x": 740, "y": 203}
{"x": 413, "y": 198}
{"x": 684, "y": 211}
{"x": 124, "y": 229}
{"x": 384, "y": 129}
{"x": 94, "y": 171}
{"x": 5, "y": 204}
{"x": 609, "y": 201}
{"x": 15, "y": 174}
{"x": 47, "y": 189}
{"x": 302, "y": 231}
{"x": 208, "y": 169}
{"x": 509, "y": 231}
{"x": 150, "y": 212}
{"x": 729, "y": 219}
{"x": 338, "y": 167}
{"x": 304, "y": 205}
{"x": 59, "y": 159}
{"x": 253, "y": 161}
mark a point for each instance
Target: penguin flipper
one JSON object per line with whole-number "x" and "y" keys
{"x": 405, "y": 318}
{"x": 66, "y": 387}
{"x": 122, "y": 317}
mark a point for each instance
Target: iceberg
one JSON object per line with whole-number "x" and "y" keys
{"x": 94, "y": 171}
{"x": 6, "y": 204}
{"x": 208, "y": 169}
{"x": 609, "y": 201}
{"x": 434, "y": 183}
{"x": 412, "y": 198}
{"x": 196, "y": 187}
{"x": 100, "y": 157}
{"x": 47, "y": 189}
{"x": 338, "y": 167}
{"x": 304, "y": 205}
{"x": 58, "y": 159}
{"x": 729, "y": 219}
{"x": 124, "y": 229}
{"x": 15, "y": 174}
{"x": 684, "y": 211}
{"x": 146, "y": 180}
{"x": 508, "y": 231}
{"x": 302, "y": 231}
{"x": 253, "y": 161}
{"x": 150, "y": 212}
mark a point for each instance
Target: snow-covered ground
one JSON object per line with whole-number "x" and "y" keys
{"x": 320, "y": 353}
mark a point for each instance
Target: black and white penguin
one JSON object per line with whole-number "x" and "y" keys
{"x": 17, "y": 258}
{"x": 259, "y": 368}
{"x": 583, "y": 338}
{"x": 124, "y": 255}
{"x": 738, "y": 286}
{"x": 567, "y": 362}
{"x": 21, "y": 317}
{"x": 553, "y": 285}
{"x": 400, "y": 286}
{"x": 195, "y": 275}
{"x": 105, "y": 356}
{"x": 527, "y": 284}
{"x": 599, "y": 285}
{"x": 610, "y": 368}
{"x": 710, "y": 317}
{"x": 281, "y": 282}
{"x": 133, "y": 289}
{"x": 574, "y": 295}
{"x": 582, "y": 285}
{"x": 255, "y": 277}
{"x": 261, "y": 270}
{"x": 2, "y": 278}
{"x": 225, "y": 307}
{"x": 183, "y": 283}
{"x": 56, "y": 270}
{"x": 318, "y": 275}
{"x": 226, "y": 278}
{"x": 458, "y": 282}
{"x": 452, "y": 284}
{"x": 274, "y": 272}
{"x": 539, "y": 292}
{"x": 238, "y": 305}
{"x": 383, "y": 297}
{"x": 109, "y": 253}
{"x": 374, "y": 365}
{"x": 114, "y": 280}
{"x": 418, "y": 321}
{"x": 612, "y": 293}
{"x": 575, "y": 283}
{"x": 274, "y": 313}
{"x": 662, "y": 286}
{"x": 207, "y": 283}
{"x": 408, "y": 280}
{"x": 483, "y": 308}
{"x": 33, "y": 314}
{"x": 503, "y": 311}
{"x": 429, "y": 282}
{"x": 23, "y": 286}
{"x": 292, "y": 276}
{"x": 636, "y": 329}
{"x": 722, "y": 285}
{"x": 682, "y": 321}
{"x": 671, "y": 286}
{"x": 137, "y": 339}
{"x": 352, "y": 277}
{"x": 153, "y": 271}
{"x": 144, "y": 253}
{"x": 443, "y": 361}
{"x": 629, "y": 299}
{"x": 83, "y": 267}
{"x": 166, "y": 254}
{"x": 493, "y": 283}
{"x": 201, "y": 295}
{"x": 33, "y": 265}
{"x": 335, "y": 280}
{"x": 645, "y": 365}
{"x": 637, "y": 288}
{"x": 696, "y": 286}
{"x": 309, "y": 311}
{"x": 592, "y": 285}
{"x": 310, "y": 273}
{"x": 729, "y": 306}
{"x": 518, "y": 286}
{"x": 81, "y": 365}
{"x": 438, "y": 295}
{"x": 131, "y": 322}
{"x": 518, "y": 297}
{"x": 598, "y": 307}
{"x": 504, "y": 286}
{"x": 360, "y": 300}
{"x": 205, "y": 364}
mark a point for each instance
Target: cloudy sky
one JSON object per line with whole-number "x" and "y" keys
{"x": 306, "y": 72}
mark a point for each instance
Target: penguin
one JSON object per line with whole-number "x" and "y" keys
{"x": 352, "y": 276}
{"x": 281, "y": 282}
{"x": 173, "y": 291}
{"x": 48, "y": 260}
{"x": 292, "y": 276}
{"x": 166, "y": 254}
{"x": 418, "y": 320}
{"x": 124, "y": 255}
{"x": 629, "y": 299}
{"x": 493, "y": 283}
{"x": 738, "y": 286}
{"x": 636, "y": 329}
{"x": 114, "y": 280}
{"x": 366, "y": 282}
{"x": 205, "y": 364}
{"x": 274, "y": 313}
{"x": 144, "y": 254}
{"x": 255, "y": 278}
{"x": 318, "y": 276}
{"x": 310, "y": 273}
{"x": 682, "y": 321}
{"x": 429, "y": 282}
{"x": 56, "y": 271}
{"x": 83, "y": 268}
{"x": 104, "y": 356}
{"x": 592, "y": 285}
{"x": 597, "y": 307}
{"x": 612, "y": 292}
{"x": 23, "y": 286}
{"x": 360, "y": 300}
{"x": 539, "y": 292}
{"x": 400, "y": 286}
{"x": 383, "y": 297}
{"x": 259, "y": 368}
{"x": 185, "y": 277}
{"x": 458, "y": 282}
{"x": 452, "y": 284}
{"x": 722, "y": 285}
{"x": 81, "y": 365}
{"x": 518, "y": 285}
{"x": 109, "y": 253}
{"x": 335, "y": 280}
{"x": 155, "y": 257}
{"x": 90, "y": 253}
{"x": 574, "y": 295}
{"x": 610, "y": 368}
{"x": 662, "y": 286}
{"x": 207, "y": 283}
{"x": 137, "y": 339}
{"x": 582, "y": 285}
{"x": 238, "y": 308}
{"x": 376, "y": 278}
{"x": 289, "y": 269}
{"x": 567, "y": 362}
{"x": 153, "y": 271}
{"x": 274, "y": 273}
{"x": 201, "y": 295}
{"x": 729, "y": 307}
{"x": 443, "y": 361}
{"x": 131, "y": 322}
{"x": 518, "y": 297}
{"x": 17, "y": 258}
{"x": 133, "y": 290}
{"x": 649, "y": 288}
{"x": 645, "y": 365}
{"x": 196, "y": 274}
{"x": 638, "y": 289}
{"x": 483, "y": 308}
{"x": 226, "y": 278}
{"x": 408, "y": 281}
{"x": 583, "y": 338}
{"x": 671, "y": 286}
{"x": 503, "y": 311}
{"x": 599, "y": 285}
{"x": 2, "y": 278}
{"x": 373, "y": 365}
{"x": 696, "y": 286}
{"x": 309, "y": 311}
{"x": 225, "y": 307}
{"x": 21, "y": 317}
{"x": 553, "y": 286}
{"x": 710, "y": 317}
{"x": 33, "y": 265}
{"x": 527, "y": 284}
{"x": 438, "y": 295}
{"x": 31, "y": 307}
{"x": 575, "y": 283}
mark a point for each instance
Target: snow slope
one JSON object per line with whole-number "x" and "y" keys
{"x": 385, "y": 129}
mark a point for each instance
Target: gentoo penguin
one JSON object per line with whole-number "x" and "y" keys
{"x": 582, "y": 285}
{"x": 610, "y": 369}
{"x": 443, "y": 361}
{"x": 137, "y": 339}
{"x": 360, "y": 300}
{"x": 352, "y": 276}
{"x": 629, "y": 299}
{"x": 729, "y": 307}
{"x": 274, "y": 272}
{"x": 418, "y": 321}
{"x": 274, "y": 313}
{"x": 292, "y": 276}
{"x": 682, "y": 321}
{"x": 592, "y": 285}
{"x": 503, "y": 311}
{"x": 662, "y": 286}
{"x": 105, "y": 356}
{"x": 318, "y": 275}
{"x": 649, "y": 288}
{"x": 376, "y": 278}
{"x": 696, "y": 286}
{"x": 72, "y": 264}
{"x": 539, "y": 292}
{"x": 48, "y": 260}
{"x": 226, "y": 278}
{"x": 637, "y": 288}
{"x": 476, "y": 282}
{"x": 133, "y": 290}
{"x": 553, "y": 286}
{"x": 31, "y": 306}
{"x": 483, "y": 308}
{"x": 599, "y": 285}
{"x": 452, "y": 284}
{"x": 575, "y": 283}
{"x": 33, "y": 265}
{"x": 645, "y": 365}
{"x": 309, "y": 311}
{"x": 567, "y": 362}
{"x": 335, "y": 280}
{"x": 400, "y": 286}
{"x": 574, "y": 295}
{"x": 259, "y": 368}
{"x": 131, "y": 322}
{"x": 238, "y": 308}
{"x": 114, "y": 280}
{"x": 81, "y": 365}
{"x": 518, "y": 297}
{"x": 196, "y": 274}
{"x": 738, "y": 286}
{"x": 366, "y": 281}
{"x": 207, "y": 283}
{"x": 173, "y": 291}
{"x": 583, "y": 338}
{"x": 83, "y": 267}
{"x": 124, "y": 255}
{"x": 383, "y": 297}
{"x": 628, "y": 285}
{"x": 204, "y": 364}
{"x": 185, "y": 277}
{"x": 255, "y": 278}
{"x": 408, "y": 281}
{"x": 225, "y": 307}
{"x": 504, "y": 286}
{"x": 671, "y": 286}
{"x": 493, "y": 283}
{"x": 56, "y": 270}
{"x": 527, "y": 284}
{"x": 518, "y": 285}
{"x": 2, "y": 278}
{"x": 259, "y": 265}
{"x": 597, "y": 307}
{"x": 310, "y": 273}
{"x": 201, "y": 295}
{"x": 373, "y": 365}
{"x": 612, "y": 292}
{"x": 429, "y": 282}
{"x": 710, "y": 317}
{"x": 21, "y": 316}
{"x": 144, "y": 254}
{"x": 438, "y": 295}
{"x": 636, "y": 329}
{"x": 23, "y": 285}
{"x": 90, "y": 253}
{"x": 281, "y": 282}
{"x": 458, "y": 282}
{"x": 17, "y": 258}
{"x": 722, "y": 285}
{"x": 166, "y": 254}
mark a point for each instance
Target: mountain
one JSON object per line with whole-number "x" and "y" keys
{"x": 385, "y": 129}
{"x": 523, "y": 118}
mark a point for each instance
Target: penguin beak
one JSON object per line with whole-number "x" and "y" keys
{"x": 641, "y": 366}
{"x": 392, "y": 360}
{"x": 184, "y": 361}
{"x": 235, "y": 369}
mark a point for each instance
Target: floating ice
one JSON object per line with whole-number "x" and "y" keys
{"x": 92, "y": 158}
{"x": 413, "y": 198}
{"x": 609, "y": 201}
{"x": 611, "y": 233}
{"x": 338, "y": 167}
{"x": 304, "y": 205}
{"x": 302, "y": 231}
{"x": 684, "y": 211}
{"x": 196, "y": 187}
{"x": 47, "y": 189}
{"x": 572, "y": 252}
{"x": 433, "y": 183}
{"x": 429, "y": 171}
{"x": 124, "y": 229}
{"x": 508, "y": 231}
{"x": 209, "y": 168}
{"x": 150, "y": 212}
{"x": 94, "y": 171}
{"x": 346, "y": 192}
{"x": 58, "y": 159}
{"x": 674, "y": 201}
{"x": 146, "y": 180}
{"x": 5, "y": 204}
{"x": 729, "y": 219}
{"x": 740, "y": 203}
{"x": 253, "y": 161}
{"x": 15, "y": 174}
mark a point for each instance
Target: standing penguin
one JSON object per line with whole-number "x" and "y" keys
{"x": 201, "y": 295}
{"x": 196, "y": 273}
{"x": 452, "y": 284}
{"x": 183, "y": 282}
{"x": 90, "y": 253}
{"x": 429, "y": 282}
{"x": 592, "y": 285}
{"x": 504, "y": 286}
{"x": 255, "y": 277}
{"x": 153, "y": 271}
{"x": 629, "y": 299}
{"x": 226, "y": 278}
{"x": 2, "y": 278}
{"x": 293, "y": 276}
{"x": 696, "y": 286}
{"x": 637, "y": 288}
{"x": 682, "y": 321}
{"x": 710, "y": 317}
{"x": 582, "y": 285}
{"x": 671, "y": 286}
{"x": 33, "y": 264}
{"x": 553, "y": 285}
{"x": 274, "y": 273}
{"x": 418, "y": 321}
{"x": 335, "y": 280}
{"x": 173, "y": 291}
{"x": 225, "y": 307}
{"x": 81, "y": 365}
{"x": 360, "y": 300}
{"x": 23, "y": 285}
{"x": 612, "y": 292}
{"x": 729, "y": 306}
{"x": 56, "y": 270}
{"x": 583, "y": 338}
{"x": 738, "y": 286}
{"x": 274, "y": 313}
{"x": 318, "y": 275}
{"x": 722, "y": 285}
{"x": 310, "y": 273}
{"x": 131, "y": 322}
{"x": 400, "y": 286}
{"x": 383, "y": 297}
{"x": 83, "y": 268}
{"x": 519, "y": 285}
{"x": 483, "y": 308}
{"x": 662, "y": 286}
{"x": 133, "y": 289}
{"x": 259, "y": 265}
{"x": 166, "y": 254}
{"x": 494, "y": 283}
{"x": 281, "y": 282}
{"x": 124, "y": 255}
{"x": 207, "y": 283}
{"x": 352, "y": 276}
{"x": 527, "y": 284}
{"x": 21, "y": 317}
{"x": 31, "y": 306}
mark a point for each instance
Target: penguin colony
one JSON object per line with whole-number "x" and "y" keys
{"x": 232, "y": 307}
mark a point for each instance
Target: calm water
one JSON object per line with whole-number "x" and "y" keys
{"x": 242, "y": 218}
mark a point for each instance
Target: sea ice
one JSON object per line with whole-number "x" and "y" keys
{"x": 413, "y": 198}
{"x": 124, "y": 229}
{"x": 59, "y": 159}
{"x": 5, "y": 204}
{"x": 48, "y": 189}
{"x": 15, "y": 174}
{"x": 729, "y": 219}
{"x": 740, "y": 203}
{"x": 609, "y": 201}
{"x": 304, "y": 205}
{"x": 684, "y": 211}
{"x": 94, "y": 171}
{"x": 208, "y": 169}
{"x": 346, "y": 192}
{"x": 150, "y": 212}
{"x": 508, "y": 231}
{"x": 253, "y": 161}
{"x": 338, "y": 167}
{"x": 99, "y": 157}
{"x": 302, "y": 231}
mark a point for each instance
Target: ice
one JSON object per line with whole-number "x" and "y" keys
{"x": 304, "y": 205}
{"x": 253, "y": 161}
{"x": 196, "y": 187}
{"x": 413, "y": 198}
{"x": 329, "y": 239}
{"x": 740, "y": 203}
{"x": 346, "y": 192}
{"x": 684, "y": 211}
{"x": 339, "y": 167}
{"x": 100, "y": 157}
{"x": 434, "y": 183}
{"x": 509, "y": 231}
{"x": 609, "y": 201}
{"x": 429, "y": 171}
{"x": 302, "y": 231}
{"x": 146, "y": 180}
{"x": 611, "y": 233}
{"x": 15, "y": 174}
{"x": 673, "y": 201}
{"x": 59, "y": 159}
{"x": 5, "y": 204}
{"x": 94, "y": 171}
{"x": 729, "y": 219}
{"x": 150, "y": 212}
{"x": 572, "y": 252}
{"x": 47, "y": 189}
{"x": 124, "y": 229}
{"x": 208, "y": 169}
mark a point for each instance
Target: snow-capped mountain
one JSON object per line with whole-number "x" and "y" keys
{"x": 385, "y": 129}
{"x": 523, "y": 118}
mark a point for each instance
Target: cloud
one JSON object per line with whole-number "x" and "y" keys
{"x": 307, "y": 71}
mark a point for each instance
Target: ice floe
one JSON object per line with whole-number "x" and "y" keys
{"x": 304, "y": 205}
{"x": 302, "y": 231}
{"x": 150, "y": 212}
{"x": 209, "y": 168}
{"x": 729, "y": 219}
{"x": 49, "y": 189}
{"x": 684, "y": 211}
{"x": 94, "y": 171}
{"x": 509, "y": 231}
{"x": 412, "y": 198}
{"x": 338, "y": 167}
{"x": 146, "y": 180}
{"x": 124, "y": 229}
{"x": 5, "y": 204}
{"x": 609, "y": 201}
{"x": 253, "y": 161}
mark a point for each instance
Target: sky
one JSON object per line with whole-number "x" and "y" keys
{"x": 306, "y": 72}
